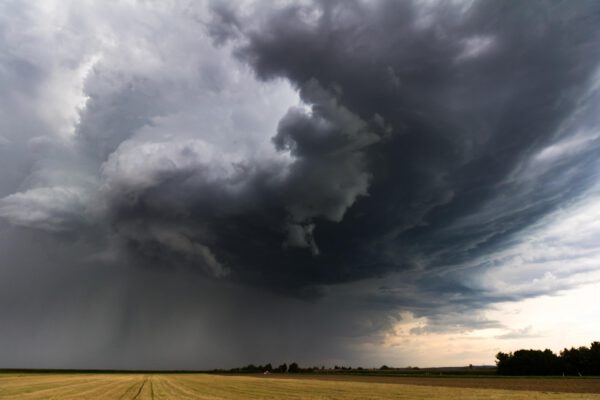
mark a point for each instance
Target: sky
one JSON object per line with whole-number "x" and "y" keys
{"x": 207, "y": 184}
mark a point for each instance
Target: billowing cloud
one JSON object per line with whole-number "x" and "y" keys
{"x": 52, "y": 209}
{"x": 321, "y": 168}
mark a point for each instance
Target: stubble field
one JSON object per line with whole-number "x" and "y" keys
{"x": 203, "y": 386}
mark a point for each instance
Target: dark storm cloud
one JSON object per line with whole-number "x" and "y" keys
{"x": 185, "y": 202}
{"x": 420, "y": 117}
{"x": 90, "y": 312}
{"x": 419, "y": 122}
{"x": 254, "y": 216}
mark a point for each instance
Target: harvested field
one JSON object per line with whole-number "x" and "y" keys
{"x": 543, "y": 384}
{"x": 201, "y": 386}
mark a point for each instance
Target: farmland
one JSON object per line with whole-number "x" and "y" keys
{"x": 203, "y": 386}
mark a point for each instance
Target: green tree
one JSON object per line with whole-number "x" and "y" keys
{"x": 282, "y": 368}
{"x": 294, "y": 368}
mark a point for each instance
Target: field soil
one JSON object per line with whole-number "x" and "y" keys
{"x": 542, "y": 384}
{"x": 201, "y": 386}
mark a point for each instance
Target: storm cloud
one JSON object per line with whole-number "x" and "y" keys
{"x": 288, "y": 172}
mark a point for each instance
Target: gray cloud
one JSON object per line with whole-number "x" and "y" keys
{"x": 270, "y": 165}
{"x": 520, "y": 333}
{"x": 52, "y": 209}
{"x": 458, "y": 118}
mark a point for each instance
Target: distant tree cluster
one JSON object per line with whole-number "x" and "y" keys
{"x": 574, "y": 361}
{"x": 293, "y": 368}
{"x": 251, "y": 368}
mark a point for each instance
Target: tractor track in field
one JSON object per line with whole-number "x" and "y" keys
{"x": 137, "y": 395}
{"x": 151, "y": 388}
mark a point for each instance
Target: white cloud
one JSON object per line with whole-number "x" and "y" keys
{"x": 559, "y": 252}
{"x": 556, "y": 321}
{"x": 137, "y": 165}
{"x": 54, "y": 208}
{"x": 475, "y": 46}
{"x": 539, "y": 292}
{"x": 108, "y": 83}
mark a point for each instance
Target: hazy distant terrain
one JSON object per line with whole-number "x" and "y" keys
{"x": 202, "y": 386}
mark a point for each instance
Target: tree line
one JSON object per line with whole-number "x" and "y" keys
{"x": 292, "y": 369}
{"x": 283, "y": 368}
{"x": 574, "y": 361}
